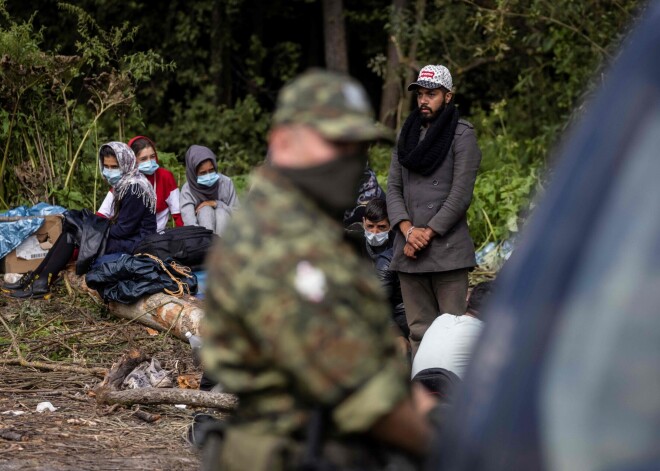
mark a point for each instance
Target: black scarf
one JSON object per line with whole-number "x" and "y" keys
{"x": 425, "y": 156}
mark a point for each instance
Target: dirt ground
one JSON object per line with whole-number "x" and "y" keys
{"x": 73, "y": 330}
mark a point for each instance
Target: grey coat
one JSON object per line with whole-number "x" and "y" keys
{"x": 439, "y": 201}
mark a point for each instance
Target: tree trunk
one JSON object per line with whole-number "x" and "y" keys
{"x": 219, "y": 67}
{"x": 334, "y": 31}
{"x": 420, "y": 9}
{"x": 392, "y": 87}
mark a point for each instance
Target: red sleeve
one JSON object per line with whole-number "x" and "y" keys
{"x": 178, "y": 221}
{"x": 167, "y": 180}
{"x": 102, "y": 215}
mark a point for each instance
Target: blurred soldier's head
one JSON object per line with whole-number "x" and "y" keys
{"x": 433, "y": 88}
{"x": 322, "y": 127}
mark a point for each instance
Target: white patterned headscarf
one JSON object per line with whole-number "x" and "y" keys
{"x": 131, "y": 177}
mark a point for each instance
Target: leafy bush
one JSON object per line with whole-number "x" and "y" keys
{"x": 508, "y": 174}
{"x": 54, "y": 106}
{"x": 236, "y": 135}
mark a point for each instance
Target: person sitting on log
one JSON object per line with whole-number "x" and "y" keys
{"x": 134, "y": 218}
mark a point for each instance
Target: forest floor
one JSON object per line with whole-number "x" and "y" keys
{"x": 71, "y": 337}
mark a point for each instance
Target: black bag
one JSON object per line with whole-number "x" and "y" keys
{"x": 128, "y": 278}
{"x": 87, "y": 231}
{"x": 187, "y": 245}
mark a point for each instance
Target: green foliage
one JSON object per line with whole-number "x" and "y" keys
{"x": 509, "y": 172}
{"x": 379, "y": 158}
{"x": 169, "y": 161}
{"x": 236, "y": 135}
{"x": 71, "y": 80}
{"x": 53, "y": 105}
{"x": 521, "y": 68}
{"x": 241, "y": 183}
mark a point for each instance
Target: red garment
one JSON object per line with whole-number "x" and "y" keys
{"x": 164, "y": 184}
{"x": 178, "y": 220}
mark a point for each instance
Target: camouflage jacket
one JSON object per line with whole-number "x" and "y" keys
{"x": 296, "y": 320}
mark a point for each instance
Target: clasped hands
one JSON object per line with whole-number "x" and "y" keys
{"x": 417, "y": 238}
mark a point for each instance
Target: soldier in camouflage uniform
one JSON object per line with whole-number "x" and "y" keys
{"x": 296, "y": 323}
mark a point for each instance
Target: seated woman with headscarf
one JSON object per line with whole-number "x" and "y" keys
{"x": 207, "y": 198}
{"x": 134, "y": 217}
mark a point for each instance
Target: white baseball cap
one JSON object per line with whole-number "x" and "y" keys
{"x": 432, "y": 76}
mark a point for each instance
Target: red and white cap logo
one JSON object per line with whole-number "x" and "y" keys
{"x": 433, "y": 76}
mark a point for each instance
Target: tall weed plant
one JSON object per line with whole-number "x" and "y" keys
{"x": 54, "y": 106}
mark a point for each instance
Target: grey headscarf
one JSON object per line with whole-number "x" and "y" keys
{"x": 195, "y": 155}
{"x": 130, "y": 175}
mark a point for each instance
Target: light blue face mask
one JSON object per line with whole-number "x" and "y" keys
{"x": 209, "y": 179}
{"x": 112, "y": 175}
{"x": 148, "y": 167}
{"x": 376, "y": 240}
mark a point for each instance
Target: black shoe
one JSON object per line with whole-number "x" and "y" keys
{"x": 39, "y": 288}
{"x": 203, "y": 426}
{"x": 22, "y": 283}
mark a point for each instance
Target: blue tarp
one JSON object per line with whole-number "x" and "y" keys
{"x": 493, "y": 255}
{"x": 12, "y": 233}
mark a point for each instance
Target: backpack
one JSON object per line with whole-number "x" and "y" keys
{"x": 187, "y": 245}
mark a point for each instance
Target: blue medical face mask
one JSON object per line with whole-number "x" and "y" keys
{"x": 209, "y": 179}
{"x": 148, "y": 167}
{"x": 112, "y": 175}
{"x": 376, "y": 240}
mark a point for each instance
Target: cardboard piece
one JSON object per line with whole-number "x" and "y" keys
{"x": 32, "y": 251}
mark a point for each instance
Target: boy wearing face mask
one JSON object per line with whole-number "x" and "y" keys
{"x": 379, "y": 245}
{"x": 208, "y": 198}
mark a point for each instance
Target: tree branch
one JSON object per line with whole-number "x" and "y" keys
{"x": 191, "y": 397}
{"x": 547, "y": 19}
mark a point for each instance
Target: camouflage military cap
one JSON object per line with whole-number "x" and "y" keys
{"x": 332, "y": 103}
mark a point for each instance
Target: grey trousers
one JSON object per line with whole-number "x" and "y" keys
{"x": 215, "y": 219}
{"x": 427, "y": 295}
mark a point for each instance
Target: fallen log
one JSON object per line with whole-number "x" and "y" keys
{"x": 108, "y": 391}
{"x": 190, "y": 397}
{"x": 164, "y": 313}
{"x": 159, "y": 311}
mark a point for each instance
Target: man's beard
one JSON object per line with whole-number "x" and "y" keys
{"x": 426, "y": 119}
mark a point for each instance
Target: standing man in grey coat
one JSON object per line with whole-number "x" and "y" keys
{"x": 434, "y": 166}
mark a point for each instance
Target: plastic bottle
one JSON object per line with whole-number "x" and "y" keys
{"x": 196, "y": 345}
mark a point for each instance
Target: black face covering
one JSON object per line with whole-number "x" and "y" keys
{"x": 332, "y": 185}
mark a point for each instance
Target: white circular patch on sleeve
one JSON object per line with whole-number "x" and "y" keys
{"x": 310, "y": 282}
